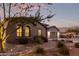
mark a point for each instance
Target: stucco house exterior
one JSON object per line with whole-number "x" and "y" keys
{"x": 26, "y": 30}
{"x": 29, "y": 30}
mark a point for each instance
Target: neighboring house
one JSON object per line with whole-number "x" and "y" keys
{"x": 26, "y": 30}
{"x": 53, "y": 33}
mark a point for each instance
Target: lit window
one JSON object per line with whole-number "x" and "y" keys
{"x": 39, "y": 32}
{"x": 27, "y": 31}
{"x": 19, "y": 31}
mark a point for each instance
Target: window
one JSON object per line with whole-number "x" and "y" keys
{"x": 27, "y": 31}
{"x": 39, "y": 32}
{"x": 19, "y": 31}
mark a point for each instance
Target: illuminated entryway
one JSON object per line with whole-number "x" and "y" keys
{"x": 53, "y": 33}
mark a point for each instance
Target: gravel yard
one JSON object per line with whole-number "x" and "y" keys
{"x": 50, "y": 46}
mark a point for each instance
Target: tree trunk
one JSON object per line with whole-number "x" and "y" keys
{"x": 2, "y": 49}
{"x": 4, "y": 10}
{"x": 9, "y": 9}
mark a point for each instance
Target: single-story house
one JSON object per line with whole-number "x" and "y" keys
{"x": 26, "y": 30}
{"x": 53, "y": 33}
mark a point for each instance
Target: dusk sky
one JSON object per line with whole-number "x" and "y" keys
{"x": 67, "y": 15}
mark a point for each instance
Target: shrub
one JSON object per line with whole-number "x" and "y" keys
{"x": 77, "y": 45}
{"x": 39, "y": 39}
{"x": 62, "y": 40}
{"x": 44, "y": 39}
{"x": 64, "y": 51}
{"x": 23, "y": 40}
{"x": 60, "y": 44}
{"x": 40, "y": 50}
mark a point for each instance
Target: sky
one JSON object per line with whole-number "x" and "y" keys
{"x": 67, "y": 15}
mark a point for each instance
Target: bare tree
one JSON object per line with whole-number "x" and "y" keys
{"x": 9, "y": 9}
{"x": 22, "y": 11}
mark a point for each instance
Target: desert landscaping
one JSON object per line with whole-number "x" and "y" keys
{"x": 39, "y": 29}
{"x": 45, "y": 49}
